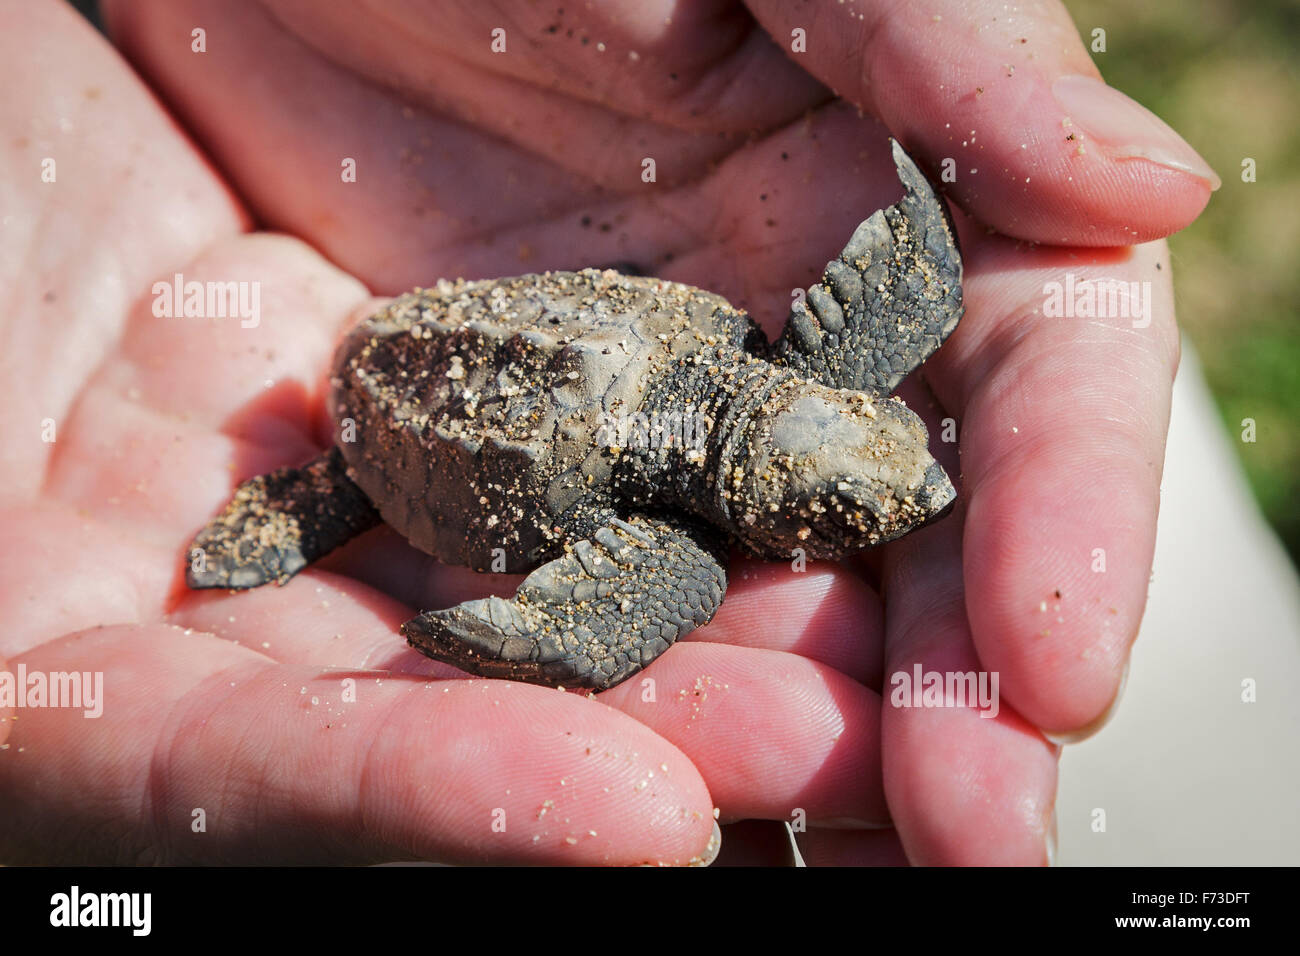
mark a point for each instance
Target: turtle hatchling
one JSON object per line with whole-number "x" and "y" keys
{"x": 615, "y": 435}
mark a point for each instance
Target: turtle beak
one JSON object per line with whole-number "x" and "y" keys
{"x": 936, "y": 496}
{"x": 933, "y": 498}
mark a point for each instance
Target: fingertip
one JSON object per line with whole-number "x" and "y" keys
{"x": 745, "y": 714}
{"x": 1010, "y": 116}
{"x": 1048, "y": 616}
{"x": 1060, "y": 161}
{"x": 1081, "y": 734}
{"x": 1124, "y": 128}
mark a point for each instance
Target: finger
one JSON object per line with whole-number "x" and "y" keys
{"x": 281, "y": 761}
{"x": 822, "y": 611}
{"x": 742, "y": 714}
{"x": 442, "y": 189}
{"x": 450, "y": 194}
{"x": 825, "y": 613}
{"x": 807, "y": 731}
{"x": 1063, "y": 423}
{"x": 570, "y": 85}
{"x": 1040, "y": 147}
{"x": 666, "y": 70}
{"x": 776, "y": 735}
{"x": 968, "y": 780}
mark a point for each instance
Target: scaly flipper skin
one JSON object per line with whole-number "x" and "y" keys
{"x": 887, "y": 302}
{"x": 277, "y": 524}
{"x": 590, "y": 618}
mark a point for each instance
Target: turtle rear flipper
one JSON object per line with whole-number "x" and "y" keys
{"x": 590, "y": 618}
{"x": 887, "y": 302}
{"x": 276, "y": 524}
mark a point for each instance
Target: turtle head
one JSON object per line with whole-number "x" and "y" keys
{"x": 832, "y": 472}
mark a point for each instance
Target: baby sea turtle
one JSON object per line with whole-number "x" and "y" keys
{"x": 615, "y": 434}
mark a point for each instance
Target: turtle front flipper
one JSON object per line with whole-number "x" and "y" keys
{"x": 590, "y": 618}
{"x": 887, "y": 302}
{"x": 276, "y": 524}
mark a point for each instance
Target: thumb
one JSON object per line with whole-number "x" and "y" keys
{"x": 1008, "y": 111}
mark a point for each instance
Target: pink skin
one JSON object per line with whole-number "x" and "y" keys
{"x": 776, "y": 705}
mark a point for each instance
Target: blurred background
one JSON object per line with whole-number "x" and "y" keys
{"x": 1226, "y": 75}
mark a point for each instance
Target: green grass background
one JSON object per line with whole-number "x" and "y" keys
{"x": 1226, "y": 75}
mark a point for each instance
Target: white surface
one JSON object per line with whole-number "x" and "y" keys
{"x": 1186, "y": 772}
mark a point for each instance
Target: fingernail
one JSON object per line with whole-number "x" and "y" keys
{"x": 1052, "y": 840}
{"x": 711, "y": 850}
{"x": 1124, "y": 128}
{"x": 1083, "y": 733}
{"x": 795, "y": 858}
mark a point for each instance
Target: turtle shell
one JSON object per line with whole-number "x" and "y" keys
{"x": 477, "y": 416}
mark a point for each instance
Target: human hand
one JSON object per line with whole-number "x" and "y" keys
{"x": 781, "y": 706}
